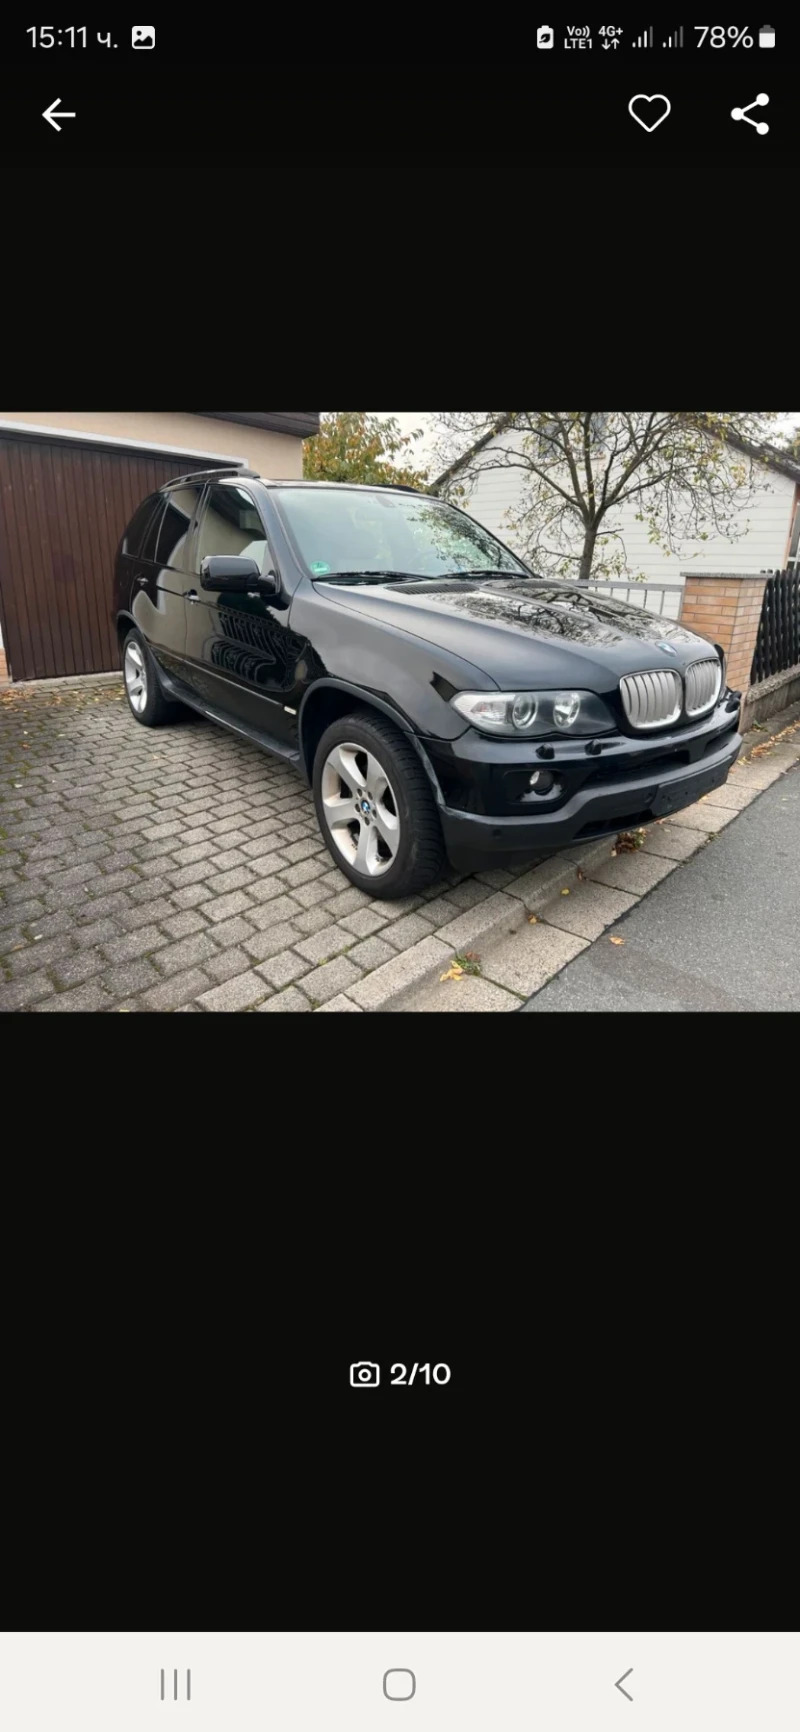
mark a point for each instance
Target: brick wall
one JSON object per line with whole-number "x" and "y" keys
{"x": 3, "y": 664}
{"x": 725, "y": 607}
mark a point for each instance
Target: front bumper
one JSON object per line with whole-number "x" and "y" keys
{"x": 631, "y": 782}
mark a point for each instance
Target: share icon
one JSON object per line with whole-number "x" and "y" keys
{"x": 743, "y": 114}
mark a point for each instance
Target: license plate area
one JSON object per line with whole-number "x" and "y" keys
{"x": 675, "y": 795}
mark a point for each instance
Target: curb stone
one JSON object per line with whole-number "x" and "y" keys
{"x": 36, "y": 688}
{"x": 506, "y": 912}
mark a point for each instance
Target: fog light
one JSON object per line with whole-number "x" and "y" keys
{"x": 541, "y": 781}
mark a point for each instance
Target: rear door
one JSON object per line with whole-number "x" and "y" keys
{"x": 240, "y": 656}
{"x": 165, "y": 578}
{"x": 131, "y": 567}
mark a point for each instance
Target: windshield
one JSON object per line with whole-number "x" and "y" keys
{"x": 342, "y": 531}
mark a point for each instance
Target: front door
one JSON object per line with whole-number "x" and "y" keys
{"x": 241, "y": 657}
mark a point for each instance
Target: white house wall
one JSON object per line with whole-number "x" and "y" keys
{"x": 495, "y": 499}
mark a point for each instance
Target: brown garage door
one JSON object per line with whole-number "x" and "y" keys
{"x": 63, "y": 508}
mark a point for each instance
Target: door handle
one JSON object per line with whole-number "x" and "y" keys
{"x": 192, "y": 595}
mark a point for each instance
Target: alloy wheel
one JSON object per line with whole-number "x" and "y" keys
{"x": 360, "y": 809}
{"x": 135, "y": 677}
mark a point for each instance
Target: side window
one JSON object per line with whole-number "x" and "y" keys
{"x": 175, "y": 526}
{"x": 231, "y": 524}
{"x": 150, "y": 542}
{"x": 133, "y": 538}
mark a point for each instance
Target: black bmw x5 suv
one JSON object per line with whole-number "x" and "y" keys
{"x": 439, "y": 697}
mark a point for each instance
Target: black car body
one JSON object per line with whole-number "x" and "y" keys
{"x": 507, "y": 715}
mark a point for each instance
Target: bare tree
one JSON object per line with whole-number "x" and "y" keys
{"x": 688, "y": 476}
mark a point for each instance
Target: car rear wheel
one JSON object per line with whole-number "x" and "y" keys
{"x": 145, "y": 697}
{"x": 375, "y": 807}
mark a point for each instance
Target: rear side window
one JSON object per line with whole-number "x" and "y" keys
{"x": 148, "y": 548}
{"x": 133, "y": 538}
{"x": 175, "y": 526}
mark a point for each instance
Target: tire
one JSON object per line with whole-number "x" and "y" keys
{"x": 156, "y": 709}
{"x": 392, "y": 845}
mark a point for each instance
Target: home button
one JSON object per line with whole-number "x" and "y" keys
{"x": 399, "y": 1684}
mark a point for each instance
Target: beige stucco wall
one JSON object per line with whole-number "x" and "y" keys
{"x": 277, "y": 455}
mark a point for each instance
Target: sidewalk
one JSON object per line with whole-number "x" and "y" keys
{"x": 722, "y": 933}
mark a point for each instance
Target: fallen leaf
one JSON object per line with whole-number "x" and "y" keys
{"x": 471, "y": 956}
{"x": 565, "y": 892}
{"x": 616, "y": 941}
{"x": 533, "y": 919}
{"x": 629, "y": 841}
{"x": 580, "y": 875}
{"x": 613, "y": 853}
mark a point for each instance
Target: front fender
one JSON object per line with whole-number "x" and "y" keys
{"x": 370, "y": 701}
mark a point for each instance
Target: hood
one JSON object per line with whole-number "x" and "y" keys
{"x": 528, "y": 631}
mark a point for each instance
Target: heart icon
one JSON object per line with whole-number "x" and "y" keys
{"x": 647, "y": 116}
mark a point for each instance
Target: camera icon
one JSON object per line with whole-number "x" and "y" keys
{"x": 143, "y": 36}
{"x": 365, "y": 1375}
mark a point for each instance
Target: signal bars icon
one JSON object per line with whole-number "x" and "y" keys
{"x": 645, "y": 40}
{"x": 675, "y": 40}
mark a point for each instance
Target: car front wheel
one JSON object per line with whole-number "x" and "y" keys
{"x": 375, "y": 807}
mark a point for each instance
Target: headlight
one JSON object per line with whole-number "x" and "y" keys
{"x": 532, "y": 714}
{"x": 567, "y": 709}
{"x": 523, "y": 710}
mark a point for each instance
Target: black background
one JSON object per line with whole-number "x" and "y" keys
{"x": 612, "y": 1452}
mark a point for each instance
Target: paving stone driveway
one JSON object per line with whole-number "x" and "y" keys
{"x": 181, "y": 869}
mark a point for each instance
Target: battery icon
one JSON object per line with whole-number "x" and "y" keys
{"x": 544, "y": 36}
{"x": 766, "y": 36}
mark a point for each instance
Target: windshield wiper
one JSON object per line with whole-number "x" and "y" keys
{"x": 371, "y": 576}
{"x": 410, "y": 576}
{"x": 489, "y": 574}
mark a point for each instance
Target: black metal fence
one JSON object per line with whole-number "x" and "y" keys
{"x": 778, "y": 643}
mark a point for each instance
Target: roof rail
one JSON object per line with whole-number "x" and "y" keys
{"x": 211, "y": 474}
{"x": 396, "y": 486}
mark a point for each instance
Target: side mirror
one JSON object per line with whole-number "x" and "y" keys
{"x": 236, "y": 576}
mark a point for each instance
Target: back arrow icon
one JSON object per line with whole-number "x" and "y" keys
{"x": 620, "y": 1682}
{"x": 49, "y": 114}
